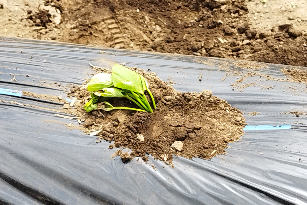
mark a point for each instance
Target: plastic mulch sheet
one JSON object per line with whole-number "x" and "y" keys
{"x": 42, "y": 161}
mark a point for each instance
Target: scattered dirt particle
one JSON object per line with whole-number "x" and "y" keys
{"x": 297, "y": 114}
{"x": 253, "y": 113}
{"x": 40, "y": 18}
{"x": 88, "y": 122}
{"x": 206, "y": 94}
{"x": 228, "y": 31}
{"x": 251, "y": 34}
{"x": 125, "y": 156}
{"x": 177, "y": 145}
{"x": 66, "y": 106}
{"x": 297, "y": 75}
{"x": 43, "y": 96}
{"x": 242, "y": 28}
{"x": 294, "y": 32}
{"x": 140, "y": 137}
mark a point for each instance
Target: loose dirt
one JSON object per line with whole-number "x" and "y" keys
{"x": 272, "y": 31}
{"x": 183, "y": 124}
{"x": 58, "y": 99}
{"x": 297, "y": 75}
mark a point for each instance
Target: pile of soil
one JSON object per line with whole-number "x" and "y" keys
{"x": 187, "y": 124}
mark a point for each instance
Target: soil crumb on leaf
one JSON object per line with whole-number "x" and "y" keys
{"x": 187, "y": 124}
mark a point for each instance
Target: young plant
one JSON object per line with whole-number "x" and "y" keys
{"x": 122, "y": 83}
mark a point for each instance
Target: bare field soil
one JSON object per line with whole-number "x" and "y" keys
{"x": 267, "y": 31}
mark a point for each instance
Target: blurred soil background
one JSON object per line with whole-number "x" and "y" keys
{"x": 271, "y": 31}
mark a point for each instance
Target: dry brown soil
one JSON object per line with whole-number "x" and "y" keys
{"x": 272, "y": 31}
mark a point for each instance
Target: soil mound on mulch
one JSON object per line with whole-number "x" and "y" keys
{"x": 187, "y": 124}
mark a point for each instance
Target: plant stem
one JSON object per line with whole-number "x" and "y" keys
{"x": 128, "y": 108}
{"x": 133, "y": 100}
{"x": 141, "y": 100}
{"x": 144, "y": 99}
{"x": 152, "y": 98}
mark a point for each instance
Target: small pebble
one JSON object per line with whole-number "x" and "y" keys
{"x": 177, "y": 145}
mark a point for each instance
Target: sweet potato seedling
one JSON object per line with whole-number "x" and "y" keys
{"x": 122, "y": 83}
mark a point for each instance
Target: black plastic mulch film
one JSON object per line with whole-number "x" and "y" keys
{"x": 44, "y": 162}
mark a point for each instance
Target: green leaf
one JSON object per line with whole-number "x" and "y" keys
{"x": 126, "y": 79}
{"x": 91, "y": 104}
{"x": 100, "y": 81}
{"x": 144, "y": 83}
{"x": 110, "y": 92}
